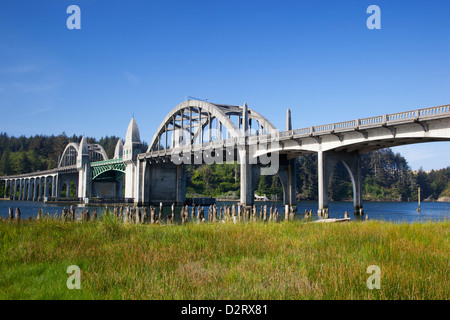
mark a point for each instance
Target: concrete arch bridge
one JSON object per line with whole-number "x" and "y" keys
{"x": 203, "y": 132}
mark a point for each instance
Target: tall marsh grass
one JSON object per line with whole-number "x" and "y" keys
{"x": 292, "y": 260}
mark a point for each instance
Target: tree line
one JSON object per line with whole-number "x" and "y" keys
{"x": 29, "y": 154}
{"x": 385, "y": 175}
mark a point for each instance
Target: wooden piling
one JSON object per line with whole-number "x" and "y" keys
{"x": 160, "y": 214}
{"x": 94, "y": 215}
{"x": 17, "y": 215}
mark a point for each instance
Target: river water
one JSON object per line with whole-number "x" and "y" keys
{"x": 388, "y": 211}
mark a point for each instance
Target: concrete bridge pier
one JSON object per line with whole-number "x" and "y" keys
{"x": 6, "y": 186}
{"x": 14, "y": 190}
{"x": 84, "y": 185}
{"x": 249, "y": 178}
{"x": 20, "y": 189}
{"x": 161, "y": 182}
{"x": 119, "y": 188}
{"x": 326, "y": 162}
{"x": 30, "y": 190}
{"x": 286, "y": 172}
{"x": 35, "y": 189}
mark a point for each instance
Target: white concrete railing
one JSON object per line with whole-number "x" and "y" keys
{"x": 378, "y": 121}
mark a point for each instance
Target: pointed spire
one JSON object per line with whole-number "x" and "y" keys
{"x": 83, "y": 148}
{"x": 132, "y": 133}
{"x": 118, "y": 152}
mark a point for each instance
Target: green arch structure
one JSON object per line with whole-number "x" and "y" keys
{"x": 101, "y": 167}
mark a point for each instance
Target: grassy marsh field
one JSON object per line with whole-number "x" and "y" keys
{"x": 288, "y": 260}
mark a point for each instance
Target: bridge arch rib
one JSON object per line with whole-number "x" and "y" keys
{"x": 69, "y": 155}
{"x": 71, "y": 151}
{"x": 191, "y": 117}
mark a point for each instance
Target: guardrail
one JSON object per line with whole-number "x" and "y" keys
{"x": 378, "y": 121}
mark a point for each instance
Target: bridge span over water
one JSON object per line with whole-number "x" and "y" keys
{"x": 197, "y": 132}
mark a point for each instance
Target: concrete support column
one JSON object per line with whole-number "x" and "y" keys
{"x": 35, "y": 189}
{"x": 20, "y": 189}
{"x": 181, "y": 184}
{"x": 286, "y": 173}
{"x": 30, "y": 190}
{"x": 326, "y": 162}
{"x": 46, "y": 187}
{"x": 25, "y": 189}
{"x": 15, "y": 190}
{"x": 84, "y": 182}
{"x": 44, "y": 191}
{"x": 40, "y": 189}
{"x": 58, "y": 187}
{"x": 53, "y": 186}
{"x": 5, "y": 183}
{"x": 129, "y": 180}
{"x": 322, "y": 176}
{"x": 119, "y": 188}
{"x": 81, "y": 190}
{"x": 355, "y": 169}
{"x": 139, "y": 197}
{"x": 247, "y": 196}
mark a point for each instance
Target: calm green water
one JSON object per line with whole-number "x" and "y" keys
{"x": 389, "y": 211}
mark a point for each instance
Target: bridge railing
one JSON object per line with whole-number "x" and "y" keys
{"x": 345, "y": 125}
{"x": 303, "y": 131}
{"x": 401, "y": 116}
{"x": 433, "y": 111}
{"x": 415, "y": 115}
{"x": 372, "y": 121}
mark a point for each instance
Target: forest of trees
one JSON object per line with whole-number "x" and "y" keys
{"x": 29, "y": 154}
{"x": 385, "y": 174}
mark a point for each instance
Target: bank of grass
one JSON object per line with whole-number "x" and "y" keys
{"x": 223, "y": 261}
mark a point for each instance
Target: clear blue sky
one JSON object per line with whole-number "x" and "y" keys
{"x": 143, "y": 57}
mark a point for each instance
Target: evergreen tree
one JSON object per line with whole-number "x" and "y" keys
{"x": 5, "y": 165}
